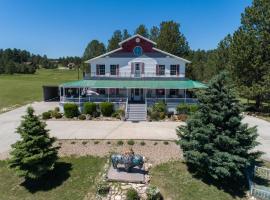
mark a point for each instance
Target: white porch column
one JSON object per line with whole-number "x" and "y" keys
{"x": 127, "y": 93}
{"x": 108, "y": 94}
{"x": 79, "y": 96}
{"x": 185, "y": 92}
{"x": 165, "y": 94}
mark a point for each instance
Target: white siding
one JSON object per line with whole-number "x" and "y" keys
{"x": 149, "y": 65}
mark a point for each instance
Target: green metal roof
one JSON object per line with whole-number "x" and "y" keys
{"x": 150, "y": 84}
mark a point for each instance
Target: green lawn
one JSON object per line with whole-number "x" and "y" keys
{"x": 176, "y": 183}
{"x": 73, "y": 178}
{"x": 20, "y": 89}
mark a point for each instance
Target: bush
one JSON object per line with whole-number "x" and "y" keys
{"x": 46, "y": 115}
{"x": 132, "y": 194}
{"x": 89, "y": 108}
{"x": 71, "y": 110}
{"x": 103, "y": 188}
{"x": 84, "y": 142}
{"x": 82, "y": 117}
{"x": 142, "y": 143}
{"x": 119, "y": 114}
{"x": 96, "y": 142}
{"x": 158, "y": 111}
{"x": 159, "y": 107}
{"x": 153, "y": 193}
{"x": 130, "y": 142}
{"x": 106, "y": 109}
{"x": 183, "y": 108}
{"x": 120, "y": 142}
{"x": 108, "y": 142}
{"x": 58, "y": 115}
{"x": 166, "y": 142}
{"x": 57, "y": 109}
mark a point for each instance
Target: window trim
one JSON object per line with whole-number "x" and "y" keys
{"x": 173, "y": 74}
{"x": 158, "y": 70}
{"x": 98, "y": 69}
{"x": 116, "y": 66}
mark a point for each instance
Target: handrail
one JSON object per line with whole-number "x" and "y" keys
{"x": 134, "y": 75}
{"x": 126, "y": 109}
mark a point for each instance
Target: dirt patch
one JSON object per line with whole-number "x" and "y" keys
{"x": 155, "y": 151}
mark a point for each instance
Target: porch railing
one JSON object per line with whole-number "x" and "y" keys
{"x": 92, "y": 99}
{"x": 133, "y": 75}
{"x": 151, "y": 101}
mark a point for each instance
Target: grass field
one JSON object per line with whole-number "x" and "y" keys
{"x": 20, "y": 89}
{"x": 73, "y": 178}
{"x": 176, "y": 183}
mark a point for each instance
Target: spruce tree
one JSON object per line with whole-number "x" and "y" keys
{"x": 215, "y": 142}
{"x": 34, "y": 155}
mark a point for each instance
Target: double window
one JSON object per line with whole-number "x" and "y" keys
{"x": 100, "y": 70}
{"x": 160, "y": 70}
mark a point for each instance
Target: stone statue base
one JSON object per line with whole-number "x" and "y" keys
{"x": 136, "y": 175}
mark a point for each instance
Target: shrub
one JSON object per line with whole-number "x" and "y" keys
{"x": 159, "y": 107}
{"x": 108, "y": 142}
{"x": 84, "y": 142}
{"x": 106, "y": 109}
{"x": 142, "y": 143}
{"x": 130, "y": 142}
{"x": 132, "y": 194}
{"x": 96, "y": 142}
{"x": 89, "y": 108}
{"x": 73, "y": 142}
{"x": 58, "y": 115}
{"x": 155, "y": 143}
{"x": 103, "y": 188}
{"x": 182, "y": 117}
{"x": 153, "y": 193}
{"x": 46, "y": 115}
{"x": 120, "y": 142}
{"x": 82, "y": 117}
{"x": 71, "y": 110}
{"x": 166, "y": 142}
{"x": 119, "y": 114}
{"x": 57, "y": 109}
{"x": 182, "y": 108}
{"x": 154, "y": 115}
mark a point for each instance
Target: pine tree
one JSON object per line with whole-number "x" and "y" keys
{"x": 215, "y": 141}
{"x": 34, "y": 155}
{"x": 115, "y": 39}
{"x": 142, "y": 30}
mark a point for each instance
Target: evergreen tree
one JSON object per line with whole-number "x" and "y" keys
{"x": 115, "y": 39}
{"x": 93, "y": 49}
{"x": 34, "y": 155}
{"x": 215, "y": 141}
{"x": 125, "y": 34}
{"x": 171, "y": 39}
{"x": 250, "y": 49}
{"x": 142, "y": 30}
{"x": 154, "y": 33}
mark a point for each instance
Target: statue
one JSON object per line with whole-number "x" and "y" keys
{"x": 128, "y": 159}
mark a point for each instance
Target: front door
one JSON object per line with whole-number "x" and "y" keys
{"x": 136, "y": 94}
{"x": 137, "y": 70}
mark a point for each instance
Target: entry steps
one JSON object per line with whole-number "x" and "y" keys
{"x": 136, "y": 112}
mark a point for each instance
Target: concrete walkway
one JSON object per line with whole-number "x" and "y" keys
{"x": 263, "y": 128}
{"x": 113, "y": 130}
{"x": 9, "y": 121}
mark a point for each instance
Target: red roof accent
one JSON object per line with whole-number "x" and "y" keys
{"x": 129, "y": 45}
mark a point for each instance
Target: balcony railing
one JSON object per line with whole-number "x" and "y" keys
{"x": 132, "y": 75}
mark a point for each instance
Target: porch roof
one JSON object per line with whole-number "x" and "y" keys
{"x": 147, "y": 84}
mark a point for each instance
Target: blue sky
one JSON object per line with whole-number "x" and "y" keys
{"x": 64, "y": 27}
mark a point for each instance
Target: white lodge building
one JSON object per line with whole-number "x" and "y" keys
{"x": 134, "y": 76}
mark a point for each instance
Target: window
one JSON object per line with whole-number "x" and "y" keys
{"x": 173, "y": 69}
{"x": 113, "y": 69}
{"x": 137, "y": 51}
{"x": 101, "y": 91}
{"x": 160, "y": 70}
{"x": 160, "y": 92}
{"x": 173, "y": 92}
{"x": 100, "y": 70}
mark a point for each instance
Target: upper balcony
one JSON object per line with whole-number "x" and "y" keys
{"x": 129, "y": 75}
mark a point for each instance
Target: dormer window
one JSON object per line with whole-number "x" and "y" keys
{"x": 138, "y": 51}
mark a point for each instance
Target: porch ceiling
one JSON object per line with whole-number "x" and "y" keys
{"x": 147, "y": 84}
